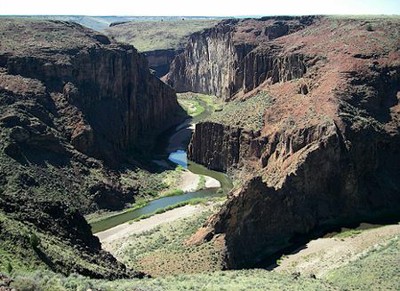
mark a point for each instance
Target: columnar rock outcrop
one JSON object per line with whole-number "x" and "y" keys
{"x": 160, "y": 60}
{"x": 220, "y": 147}
{"x": 226, "y": 59}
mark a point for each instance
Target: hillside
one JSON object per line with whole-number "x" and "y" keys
{"x": 94, "y": 22}
{"x": 74, "y": 107}
{"x": 352, "y": 260}
{"x": 322, "y": 149}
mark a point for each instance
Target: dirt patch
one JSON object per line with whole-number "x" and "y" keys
{"x": 189, "y": 181}
{"x": 325, "y": 254}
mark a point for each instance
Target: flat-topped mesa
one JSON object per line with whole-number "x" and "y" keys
{"x": 324, "y": 151}
{"x": 226, "y": 59}
{"x": 109, "y": 84}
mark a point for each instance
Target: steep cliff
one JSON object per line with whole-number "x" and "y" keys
{"x": 105, "y": 91}
{"x": 160, "y": 60}
{"x": 326, "y": 152}
{"x": 72, "y": 104}
{"x": 231, "y": 57}
{"x": 159, "y": 38}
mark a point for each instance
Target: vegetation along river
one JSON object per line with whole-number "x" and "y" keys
{"x": 174, "y": 144}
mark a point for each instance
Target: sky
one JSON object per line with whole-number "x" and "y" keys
{"x": 197, "y": 8}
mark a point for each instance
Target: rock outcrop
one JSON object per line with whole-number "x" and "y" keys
{"x": 220, "y": 147}
{"x": 231, "y": 57}
{"x": 160, "y": 40}
{"x": 106, "y": 94}
{"x": 327, "y": 154}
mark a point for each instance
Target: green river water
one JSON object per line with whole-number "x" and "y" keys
{"x": 177, "y": 156}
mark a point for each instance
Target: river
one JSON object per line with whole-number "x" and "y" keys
{"x": 173, "y": 143}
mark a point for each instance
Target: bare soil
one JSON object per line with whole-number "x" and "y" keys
{"x": 322, "y": 255}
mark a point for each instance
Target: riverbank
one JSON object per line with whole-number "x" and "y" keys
{"x": 192, "y": 182}
{"x": 189, "y": 183}
{"x": 156, "y": 245}
{"x": 129, "y": 228}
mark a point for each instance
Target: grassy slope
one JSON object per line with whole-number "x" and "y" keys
{"x": 161, "y": 251}
{"x": 18, "y": 251}
{"x": 222, "y": 280}
{"x": 378, "y": 269}
{"x": 196, "y": 103}
{"x": 15, "y": 248}
{"x": 243, "y": 113}
{"x": 154, "y": 35}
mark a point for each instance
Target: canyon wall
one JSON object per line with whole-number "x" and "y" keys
{"x": 110, "y": 85}
{"x": 327, "y": 153}
{"x": 220, "y": 147}
{"x": 160, "y": 60}
{"x": 74, "y": 107}
{"x": 230, "y": 57}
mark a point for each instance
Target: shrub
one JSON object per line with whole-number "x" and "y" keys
{"x": 34, "y": 241}
{"x": 9, "y": 268}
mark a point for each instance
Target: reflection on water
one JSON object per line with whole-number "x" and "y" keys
{"x": 179, "y": 157}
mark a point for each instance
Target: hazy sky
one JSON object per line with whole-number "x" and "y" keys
{"x": 198, "y": 7}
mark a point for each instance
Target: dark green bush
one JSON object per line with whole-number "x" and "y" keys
{"x": 34, "y": 241}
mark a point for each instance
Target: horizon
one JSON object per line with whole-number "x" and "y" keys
{"x": 209, "y": 8}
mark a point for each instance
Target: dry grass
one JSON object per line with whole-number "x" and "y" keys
{"x": 247, "y": 113}
{"x": 154, "y": 35}
{"x": 162, "y": 251}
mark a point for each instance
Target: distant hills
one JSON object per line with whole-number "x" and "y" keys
{"x": 102, "y": 22}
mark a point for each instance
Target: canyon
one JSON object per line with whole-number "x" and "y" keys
{"x": 307, "y": 128}
{"x": 326, "y": 150}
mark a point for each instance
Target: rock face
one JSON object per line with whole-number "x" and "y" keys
{"x": 160, "y": 39}
{"x": 72, "y": 105}
{"x": 231, "y": 57}
{"x": 107, "y": 95}
{"x": 160, "y": 60}
{"x": 327, "y": 153}
{"x": 219, "y": 146}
